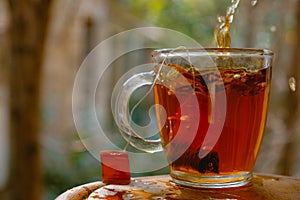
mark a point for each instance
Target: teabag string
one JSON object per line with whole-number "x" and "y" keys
{"x": 151, "y": 89}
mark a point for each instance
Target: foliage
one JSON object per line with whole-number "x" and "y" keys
{"x": 191, "y": 17}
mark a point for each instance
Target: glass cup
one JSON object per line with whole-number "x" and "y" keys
{"x": 211, "y": 110}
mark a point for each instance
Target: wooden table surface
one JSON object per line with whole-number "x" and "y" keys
{"x": 264, "y": 187}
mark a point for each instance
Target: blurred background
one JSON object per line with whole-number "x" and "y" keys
{"x": 44, "y": 42}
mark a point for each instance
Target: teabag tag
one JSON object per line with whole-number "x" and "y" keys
{"x": 115, "y": 167}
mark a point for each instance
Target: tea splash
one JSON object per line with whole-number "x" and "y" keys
{"x": 222, "y": 30}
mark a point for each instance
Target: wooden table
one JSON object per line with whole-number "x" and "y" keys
{"x": 262, "y": 187}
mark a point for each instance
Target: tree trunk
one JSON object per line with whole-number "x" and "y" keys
{"x": 28, "y": 28}
{"x": 293, "y": 108}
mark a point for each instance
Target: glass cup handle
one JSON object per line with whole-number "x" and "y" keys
{"x": 120, "y": 108}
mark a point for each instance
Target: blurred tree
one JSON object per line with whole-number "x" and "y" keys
{"x": 28, "y": 28}
{"x": 292, "y": 119}
{"x": 191, "y": 17}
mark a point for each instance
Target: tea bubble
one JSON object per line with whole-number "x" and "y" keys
{"x": 184, "y": 117}
{"x": 253, "y": 2}
{"x": 237, "y": 76}
{"x": 272, "y": 28}
{"x": 292, "y": 83}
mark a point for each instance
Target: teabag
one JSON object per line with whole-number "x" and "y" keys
{"x": 115, "y": 167}
{"x": 115, "y": 164}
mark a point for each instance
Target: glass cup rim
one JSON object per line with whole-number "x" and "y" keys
{"x": 214, "y": 51}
